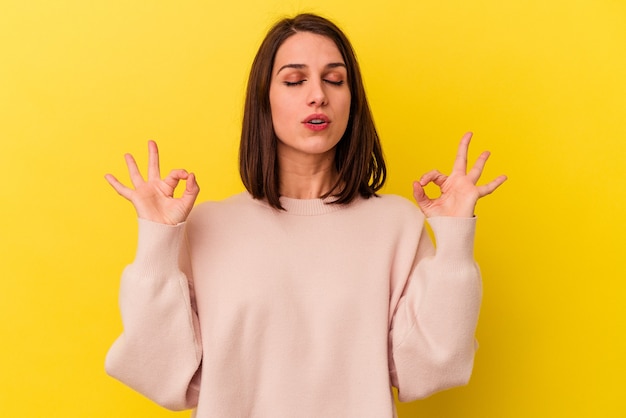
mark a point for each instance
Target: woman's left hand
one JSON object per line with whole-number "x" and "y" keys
{"x": 459, "y": 192}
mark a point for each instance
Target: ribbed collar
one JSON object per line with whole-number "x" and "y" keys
{"x": 308, "y": 207}
{"x": 302, "y": 207}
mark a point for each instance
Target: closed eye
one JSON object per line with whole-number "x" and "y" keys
{"x": 300, "y": 82}
{"x": 293, "y": 83}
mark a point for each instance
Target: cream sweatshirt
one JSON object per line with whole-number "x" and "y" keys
{"x": 245, "y": 311}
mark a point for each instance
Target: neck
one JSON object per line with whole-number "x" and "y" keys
{"x": 307, "y": 179}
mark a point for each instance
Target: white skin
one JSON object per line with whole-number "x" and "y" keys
{"x": 305, "y": 150}
{"x": 309, "y": 81}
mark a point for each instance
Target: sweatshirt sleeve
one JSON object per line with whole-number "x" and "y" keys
{"x": 159, "y": 352}
{"x": 432, "y": 338}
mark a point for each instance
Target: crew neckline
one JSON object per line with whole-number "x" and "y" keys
{"x": 308, "y": 207}
{"x": 303, "y": 207}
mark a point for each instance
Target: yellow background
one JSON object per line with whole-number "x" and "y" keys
{"x": 541, "y": 83}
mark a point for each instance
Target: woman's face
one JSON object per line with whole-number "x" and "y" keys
{"x": 309, "y": 96}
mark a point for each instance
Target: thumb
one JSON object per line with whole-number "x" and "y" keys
{"x": 191, "y": 190}
{"x": 420, "y": 195}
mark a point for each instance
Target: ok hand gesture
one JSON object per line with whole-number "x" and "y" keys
{"x": 459, "y": 192}
{"x": 153, "y": 198}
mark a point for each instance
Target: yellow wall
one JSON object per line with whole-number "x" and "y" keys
{"x": 541, "y": 83}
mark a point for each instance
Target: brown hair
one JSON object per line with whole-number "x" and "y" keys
{"x": 358, "y": 158}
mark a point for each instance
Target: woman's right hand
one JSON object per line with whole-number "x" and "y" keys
{"x": 154, "y": 198}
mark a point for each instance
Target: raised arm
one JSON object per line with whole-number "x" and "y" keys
{"x": 159, "y": 351}
{"x": 432, "y": 336}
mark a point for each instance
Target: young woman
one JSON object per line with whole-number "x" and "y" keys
{"x": 309, "y": 295}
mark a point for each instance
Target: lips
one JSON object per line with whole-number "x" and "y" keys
{"x": 317, "y": 119}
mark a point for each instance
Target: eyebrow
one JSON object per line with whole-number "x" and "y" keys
{"x": 302, "y": 66}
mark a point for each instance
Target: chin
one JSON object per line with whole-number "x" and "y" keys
{"x": 309, "y": 146}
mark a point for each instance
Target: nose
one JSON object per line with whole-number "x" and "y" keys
{"x": 317, "y": 94}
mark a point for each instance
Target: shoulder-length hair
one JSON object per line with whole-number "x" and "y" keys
{"x": 358, "y": 158}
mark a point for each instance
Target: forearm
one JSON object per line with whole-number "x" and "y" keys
{"x": 434, "y": 326}
{"x": 158, "y": 352}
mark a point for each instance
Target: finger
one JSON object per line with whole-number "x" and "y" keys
{"x": 174, "y": 177}
{"x": 477, "y": 169}
{"x": 154, "y": 170}
{"x": 460, "y": 162}
{"x": 119, "y": 187}
{"x": 490, "y": 187}
{"x": 434, "y": 176}
{"x": 135, "y": 175}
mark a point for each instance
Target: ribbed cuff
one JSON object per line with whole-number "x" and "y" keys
{"x": 454, "y": 237}
{"x": 158, "y": 246}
